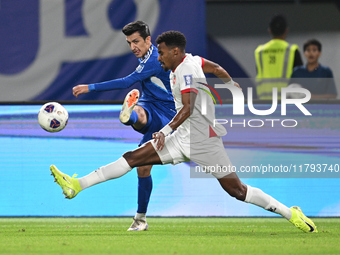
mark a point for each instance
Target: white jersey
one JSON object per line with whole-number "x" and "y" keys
{"x": 189, "y": 77}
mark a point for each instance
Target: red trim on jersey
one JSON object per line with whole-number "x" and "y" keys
{"x": 212, "y": 133}
{"x": 189, "y": 90}
{"x": 179, "y": 63}
{"x": 202, "y": 62}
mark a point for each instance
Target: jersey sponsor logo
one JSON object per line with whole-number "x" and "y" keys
{"x": 139, "y": 68}
{"x": 188, "y": 79}
{"x": 174, "y": 80}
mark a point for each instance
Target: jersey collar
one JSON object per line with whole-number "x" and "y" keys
{"x": 179, "y": 63}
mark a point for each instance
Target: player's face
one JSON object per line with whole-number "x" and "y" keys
{"x": 165, "y": 57}
{"x": 138, "y": 45}
{"x": 312, "y": 54}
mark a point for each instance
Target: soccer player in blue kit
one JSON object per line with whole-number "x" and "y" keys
{"x": 154, "y": 109}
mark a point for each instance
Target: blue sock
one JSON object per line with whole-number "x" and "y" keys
{"x": 133, "y": 119}
{"x": 144, "y": 193}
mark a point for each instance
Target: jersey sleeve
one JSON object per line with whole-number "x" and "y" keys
{"x": 187, "y": 79}
{"x": 142, "y": 72}
{"x": 199, "y": 60}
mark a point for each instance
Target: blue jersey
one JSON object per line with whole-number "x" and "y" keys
{"x": 154, "y": 80}
{"x": 156, "y": 99}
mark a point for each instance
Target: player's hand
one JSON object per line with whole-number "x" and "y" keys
{"x": 159, "y": 140}
{"x": 80, "y": 89}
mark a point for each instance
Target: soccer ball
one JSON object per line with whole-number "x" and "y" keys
{"x": 53, "y": 117}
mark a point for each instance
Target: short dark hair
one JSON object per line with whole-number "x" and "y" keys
{"x": 137, "y": 26}
{"x": 312, "y": 42}
{"x": 278, "y": 25}
{"x": 172, "y": 39}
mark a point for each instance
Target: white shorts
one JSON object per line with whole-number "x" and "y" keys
{"x": 208, "y": 153}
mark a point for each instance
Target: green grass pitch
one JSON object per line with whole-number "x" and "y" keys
{"x": 166, "y": 236}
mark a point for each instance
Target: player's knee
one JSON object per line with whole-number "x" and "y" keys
{"x": 142, "y": 114}
{"x": 130, "y": 159}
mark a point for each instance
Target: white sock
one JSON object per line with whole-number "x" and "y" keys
{"x": 140, "y": 216}
{"x": 258, "y": 197}
{"x": 111, "y": 171}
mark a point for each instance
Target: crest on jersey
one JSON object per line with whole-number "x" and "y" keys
{"x": 139, "y": 68}
{"x": 188, "y": 79}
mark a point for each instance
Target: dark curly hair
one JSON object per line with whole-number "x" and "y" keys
{"x": 172, "y": 39}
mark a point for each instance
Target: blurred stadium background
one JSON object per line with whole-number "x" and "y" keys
{"x": 49, "y": 46}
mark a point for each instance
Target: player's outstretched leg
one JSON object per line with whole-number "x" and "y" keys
{"x": 301, "y": 221}
{"x": 232, "y": 184}
{"x": 70, "y": 185}
{"x": 130, "y": 102}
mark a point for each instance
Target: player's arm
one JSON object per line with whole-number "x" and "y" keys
{"x": 146, "y": 71}
{"x": 214, "y": 68}
{"x": 188, "y": 99}
{"x": 122, "y": 83}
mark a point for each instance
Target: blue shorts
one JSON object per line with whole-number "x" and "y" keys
{"x": 159, "y": 114}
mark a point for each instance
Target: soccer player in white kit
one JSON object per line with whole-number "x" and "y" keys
{"x": 190, "y": 135}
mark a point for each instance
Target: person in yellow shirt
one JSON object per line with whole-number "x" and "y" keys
{"x": 275, "y": 60}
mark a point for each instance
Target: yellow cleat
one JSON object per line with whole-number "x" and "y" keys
{"x": 301, "y": 221}
{"x": 70, "y": 186}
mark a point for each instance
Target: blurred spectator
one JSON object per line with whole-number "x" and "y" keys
{"x": 318, "y": 79}
{"x": 275, "y": 60}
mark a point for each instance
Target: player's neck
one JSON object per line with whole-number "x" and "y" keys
{"x": 178, "y": 60}
{"x": 146, "y": 53}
